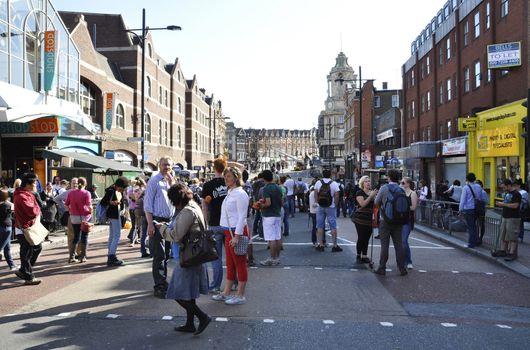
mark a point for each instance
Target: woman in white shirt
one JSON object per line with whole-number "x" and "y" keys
{"x": 234, "y": 221}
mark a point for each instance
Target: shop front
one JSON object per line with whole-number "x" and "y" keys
{"x": 454, "y": 162}
{"x": 496, "y": 145}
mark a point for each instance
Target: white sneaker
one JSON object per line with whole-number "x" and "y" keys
{"x": 267, "y": 262}
{"x": 236, "y": 300}
{"x": 221, "y": 297}
{"x": 409, "y": 266}
{"x": 276, "y": 262}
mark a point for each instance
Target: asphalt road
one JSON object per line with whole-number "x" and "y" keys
{"x": 450, "y": 300}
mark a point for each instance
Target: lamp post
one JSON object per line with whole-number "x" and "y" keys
{"x": 142, "y": 38}
{"x": 329, "y": 126}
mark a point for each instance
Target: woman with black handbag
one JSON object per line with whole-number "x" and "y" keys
{"x": 187, "y": 283}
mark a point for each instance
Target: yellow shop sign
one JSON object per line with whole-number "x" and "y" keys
{"x": 499, "y": 142}
{"x": 467, "y": 124}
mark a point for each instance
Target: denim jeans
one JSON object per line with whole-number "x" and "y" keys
{"x": 257, "y": 226}
{"x": 406, "y": 248}
{"x": 471, "y": 221}
{"x": 114, "y": 235}
{"x": 217, "y": 265}
{"x": 79, "y": 236}
{"x": 5, "y": 244}
{"x": 285, "y": 219}
{"x": 290, "y": 205}
{"x": 132, "y": 231}
{"x": 143, "y": 236}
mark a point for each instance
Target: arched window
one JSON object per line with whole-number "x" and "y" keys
{"x": 149, "y": 50}
{"x": 196, "y": 141}
{"x": 120, "y": 116}
{"x": 179, "y": 105}
{"x": 148, "y": 86}
{"x": 179, "y": 141}
{"x": 147, "y": 131}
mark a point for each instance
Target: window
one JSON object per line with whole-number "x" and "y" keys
{"x": 120, "y": 116}
{"x": 477, "y": 24}
{"x": 504, "y": 8}
{"x": 489, "y": 76}
{"x": 454, "y": 4}
{"x": 341, "y": 119}
{"x": 160, "y": 131}
{"x": 428, "y": 133}
{"x": 428, "y": 63}
{"x": 449, "y": 91}
{"x": 448, "y": 129}
{"x": 166, "y": 134}
{"x": 160, "y": 94}
{"x": 179, "y": 138}
{"x": 441, "y": 92}
{"x": 423, "y": 104}
{"x": 412, "y": 83}
{"x": 166, "y": 99}
{"x": 477, "y": 74}
{"x": 377, "y": 101}
{"x": 448, "y": 48}
{"x": 466, "y": 33}
{"x": 428, "y": 100}
{"x": 466, "y": 79}
{"x": 488, "y": 15}
{"x": 179, "y": 105}
{"x": 413, "y": 108}
{"x": 147, "y": 128}
{"x": 395, "y": 101}
{"x": 440, "y": 55}
{"x": 148, "y": 86}
{"x": 88, "y": 100}
{"x": 149, "y": 50}
{"x": 441, "y": 135}
{"x": 196, "y": 141}
{"x": 196, "y": 114}
{"x": 446, "y": 11}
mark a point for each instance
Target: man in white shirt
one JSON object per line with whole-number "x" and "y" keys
{"x": 327, "y": 196}
{"x": 289, "y": 184}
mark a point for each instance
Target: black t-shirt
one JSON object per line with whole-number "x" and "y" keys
{"x": 5, "y": 215}
{"x": 363, "y": 215}
{"x": 216, "y": 189}
{"x": 511, "y": 197}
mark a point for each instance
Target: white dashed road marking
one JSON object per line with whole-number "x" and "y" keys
{"x": 503, "y": 326}
{"x": 386, "y": 324}
{"x": 268, "y": 320}
{"x": 455, "y": 271}
{"x": 489, "y": 273}
{"x": 448, "y": 324}
{"x": 388, "y": 270}
{"x": 354, "y": 270}
{"x": 318, "y": 268}
{"x": 328, "y": 322}
{"x": 113, "y": 316}
{"x": 423, "y": 271}
{"x": 287, "y": 268}
{"x": 167, "y": 318}
{"x": 64, "y": 314}
{"x": 221, "y": 319}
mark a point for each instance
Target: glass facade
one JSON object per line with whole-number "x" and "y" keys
{"x": 22, "y": 27}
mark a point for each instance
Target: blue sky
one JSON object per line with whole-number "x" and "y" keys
{"x": 267, "y": 60}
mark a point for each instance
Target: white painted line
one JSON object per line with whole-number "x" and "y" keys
{"x": 388, "y": 270}
{"x": 64, "y": 314}
{"x": 297, "y": 243}
{"x": 421, "y": 240}
{"x": 9, "y": 315}
{"x": 489, "y": 273}
{"x": 455, "y": 271}
{"x": 254, "y": 267}
{"x": 113, "y": 316}
{"x": 503, "y": 326}
{"x": 318, "y": 268}
{"x": 386, "y": 324}
{"x": 287, "y": 268}
{"x": 354, "y": 270}
{"x": 343, "y": 239}
{"x": 353, "y": 245}
{"x": 167, "y": 318}
{"x": 448, "y": 324}
{"x": 422, "y": 271}
{"x": 268, "y": 320}
{"x": 328, "y": 322}
{"x": 221, "y": 319}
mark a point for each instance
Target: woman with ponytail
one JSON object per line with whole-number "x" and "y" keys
{"x": 79, "y": 205}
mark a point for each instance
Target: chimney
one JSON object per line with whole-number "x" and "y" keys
{"x": 385, "y": 85}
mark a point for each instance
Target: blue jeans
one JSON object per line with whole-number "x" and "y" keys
{"x": 5, "y": 244}
{"x": 285, "y": 218}
{"x": 217, "y": 265}
{"x": 406, "y": 248}
{"x": 79, "y": 236}
{"x": 471, "y": 221}
{"x": 290, "y": 205}
{"x": 257, "y": 226}
{"x": 114, "y": 235}
{"x": 143, "y": 236}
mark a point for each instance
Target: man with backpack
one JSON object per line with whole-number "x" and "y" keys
{"x": 327, "y": 196}
{"x": 395, "y": 211}
{"x": 472, "y": 206}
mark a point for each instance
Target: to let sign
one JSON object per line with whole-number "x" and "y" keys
{"x": 504, "y": 55}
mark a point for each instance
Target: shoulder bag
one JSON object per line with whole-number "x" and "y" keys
{"x": 197, "y": 247}
{"x": 242, "y": 244}
{"x": 36, "y": 234}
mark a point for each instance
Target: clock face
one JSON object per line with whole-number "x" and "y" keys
{"x": 330, "y": 104}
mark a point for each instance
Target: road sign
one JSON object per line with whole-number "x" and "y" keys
{"x": 135, "y": 139}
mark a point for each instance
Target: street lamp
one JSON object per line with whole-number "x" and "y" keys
{"x": 142, "y": 38}
{"x": 329, "y": 126}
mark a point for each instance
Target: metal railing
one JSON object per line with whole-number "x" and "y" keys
{"x": 445, "y": 218}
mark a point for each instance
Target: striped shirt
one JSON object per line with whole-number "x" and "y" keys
{"x": 156, "y": 201}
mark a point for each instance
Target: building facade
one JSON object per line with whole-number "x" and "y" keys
{"x": 454, "y": 72}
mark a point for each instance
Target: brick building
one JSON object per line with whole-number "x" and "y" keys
{"x": 447, "y": 77}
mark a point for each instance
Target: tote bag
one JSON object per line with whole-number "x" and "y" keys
{"x": 36, "y": 234}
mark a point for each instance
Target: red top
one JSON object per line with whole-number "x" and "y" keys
{"x": 79, "y": 202}
{"x": 26, "y": 208}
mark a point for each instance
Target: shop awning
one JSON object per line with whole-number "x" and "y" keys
{"x": 89, "y": 161}
{"x": 21, "y": 105}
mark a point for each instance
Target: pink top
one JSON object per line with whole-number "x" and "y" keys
{"x": 79, "y": 202}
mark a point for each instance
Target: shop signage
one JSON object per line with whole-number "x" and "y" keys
{"x": 37, "y": 127}
{"x": 498, "y": 142}
{"x": 504, "y": 55}
{"x": 109, "y": 109}
{"x": 452, "y": 147}
{"x": 49, "y": 59}
{"x": 385, "y": 135}
{"x": 467, "y": 124}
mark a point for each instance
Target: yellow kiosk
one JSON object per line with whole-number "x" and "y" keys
{"x": 495, "y": 145}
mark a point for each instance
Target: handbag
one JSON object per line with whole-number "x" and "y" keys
{"x": 197, "y": 247}
{"x": 86, "y": 226}
{"x": 36, "y": 234}
{"x": 242, "y": 244}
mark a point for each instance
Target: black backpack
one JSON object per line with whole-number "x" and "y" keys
{"x": 324, "y": 194}
{"x": 396, "y": 209}
{"x": 480, "y": 206}
{"x": 525, "y": 210}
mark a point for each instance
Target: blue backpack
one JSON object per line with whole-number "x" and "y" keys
{"x": 101, "y": 213}
{"x": 396, "y": 209}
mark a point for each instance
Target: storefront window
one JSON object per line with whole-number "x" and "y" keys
{"x": 16, "y": 37}
{"x": 17, "y": 77}
{"x": 3, "y": 11}
{"x": 3, "y": 67}
{"x": 501, "y": 175}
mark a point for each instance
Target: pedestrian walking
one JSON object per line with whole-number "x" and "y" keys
{"x": 115, "y": 202}
{"x": 481, "y": 219}
{"x": 6, "y": 228}
{"x": 139, "y": 214}
{"x": 27, "y": 211}
{"x": 286, "y": 206}
{"x": 362, "y": 218}
{"x": 187, "y": 283}
{"x": 271, "y": 207}
{"x": 510, "y": 222}
{"x": 213, "y": 194}
{"x": 327, "y": 196}
{"x": 471, "y": 193}
{"x": 423, "y": 194}
{"x": 525, "y": 205}
{"x": 234, "y": 221}
{"x": 131, "y": 204}
{"x": 408, "y": 185}
{"x": 290, "y": 185}
{"x": 158, "y": 207}
{"x": 64, "y": 214}
{"x": 79, "y": 205}
{"x": 257, "y": 225}
{"x": 394, "y": 207}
